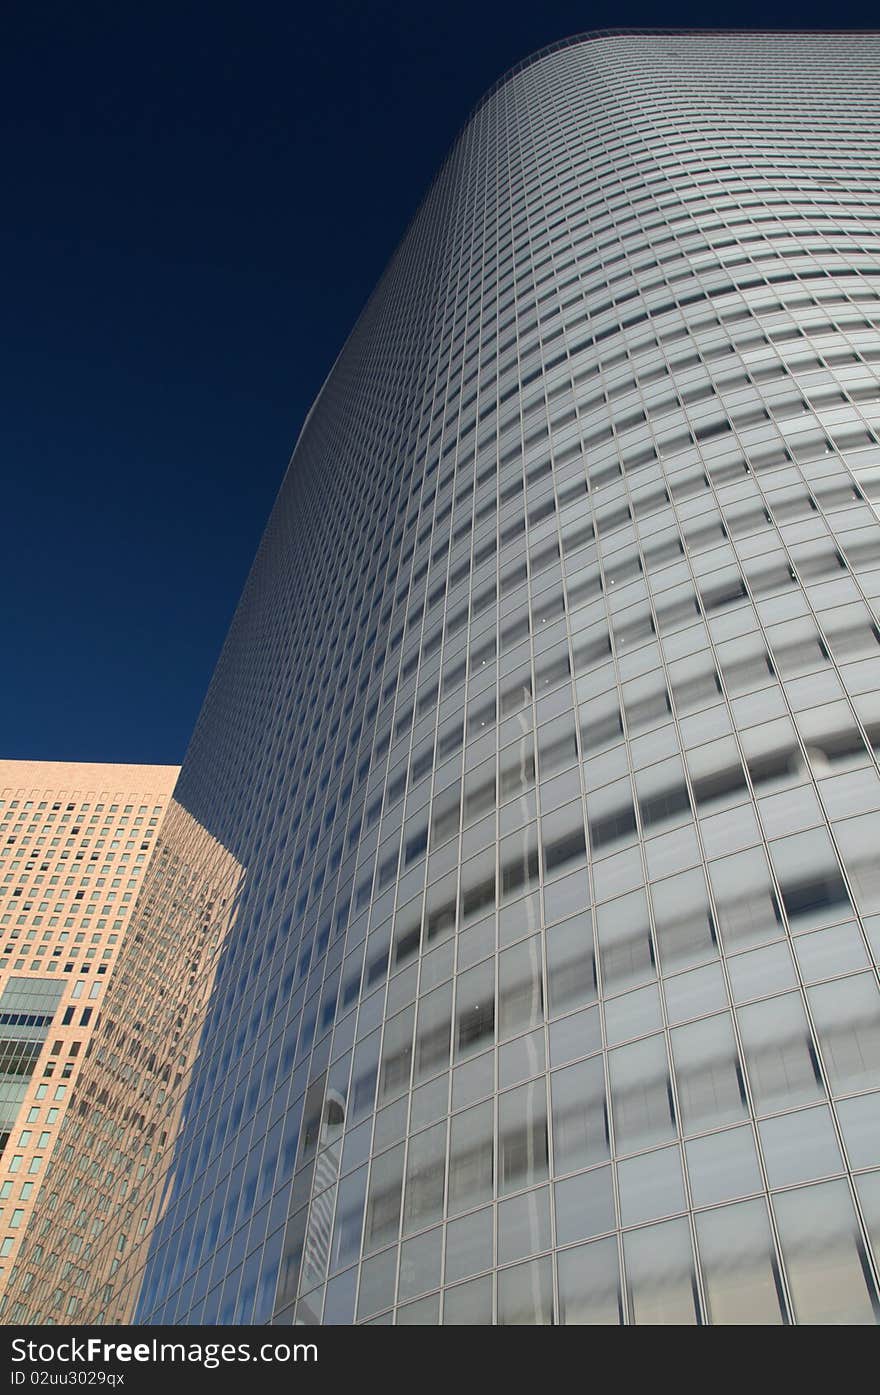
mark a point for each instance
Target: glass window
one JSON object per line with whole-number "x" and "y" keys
{"x": 566, "y": 894}
{"x": 471, "y": 1154}
{"x": 424, "y": 1312}
{"x": 475, "y": 1010}
{"x": 524, "y": 1225}
{"x": 809, "y": 879}
{"x": 634, "y": 1014}
{"x": 469, "y": 1305}
{"x": 580, "y": 1116}
{"x": 825, "y": 953}
{"x": 685, "y": 928}
{"x": 589, "y": 1285}
{"x": 339, "y": 1303}
{"x": 577, "y": 1035}
{"x": 799, "y": 1147}
{"x": 860, "y": 1123}
{"x": 711, "y": 1089}
{"x": 641, "y": 1095}
{"x": 747, "y": 909}
{"x": 722, "y": 1166}
{"x": 695, "y": 993}
{"x": 473, "y": 1080}
{"x": 740, "y": 1273}
{"x": 781, "y": 1059}
{"x": 868, "y": 1188}
{"x": 761, "y": 972}
{"x": 383, "y": 1208}
{"x": 291, "y": 1257}
{"x": 847, "y": 1017}
{"x": 425, "y": 1175}
{"x": 433, "y": 1032}
{"x": 349, "y": 1217}
{"x": 661, "y": 1285}
{"x": 650, "y": 1186}
{"x": 525, "y": 1295}
{"x": 824, "y": 1255}
{"x": 520, "y": 988}
{"x": 521, "y": 1059}
{"x": 396, "y": 1055}
{"x": 377, "y": 1283}
{"x": 571, "y": 968}
{"x": 626, "y": 951}
{"x": 584, "y": 1206}
{"x": 522, "y": 1137}
{"x": 428, "y": 1103}
{"x": 420, "y": 1264}
{"x": 857, "y": 840}
{"x": 469, "y": 1245}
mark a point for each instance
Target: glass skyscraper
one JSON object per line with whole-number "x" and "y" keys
{"x": 538, "y": 774}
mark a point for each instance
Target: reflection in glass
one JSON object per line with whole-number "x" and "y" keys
{"x": 520, "y": 988}
{"x": 626, "y": 951}
{"x": 571, "y": 968}
{"x": 469, "y": 1245}
{"x": 740, "y": 1273}
{"x": 641, "y": 1095}
{"x": 580, "y": 1116}
{"x": 522, "y": 1137}
{"x": 471, "y": 1154}
{"x": 824, "y": 1254}
{"x": 383, "y": 1207}
{"x": 661, "y": 1285}
{"x": 847, "y": 1017}
{"x": 584, "y": 1205}
{"x": 722, "y": 1166}
{"x": 685, "y": 928}
{"x": 781, "y": 1059}
{"x": 525, "y": 1295}
{"x": 469, "y": 1305}
{"x": 748, "y": 912}
{"x": 420, "y": 1264}
{"x": 868, "y": 1191}
{"x": 798, "y": 1147}
{"x": 524, "y": 1225}
{"x": 589, "y": 1284}
{"x": 650, "y": 1186}
{"x": 860, "y": 1123}
{"x": 425, "y": 1175}
{"x": 711, "y": 1089}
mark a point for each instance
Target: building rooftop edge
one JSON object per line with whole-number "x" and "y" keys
{"x": 20, "y": 771}
{"x": 590, "y": 35}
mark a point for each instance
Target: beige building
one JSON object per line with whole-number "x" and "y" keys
{"x": 106, "y": 1185}
{"x": 75, "y": 842}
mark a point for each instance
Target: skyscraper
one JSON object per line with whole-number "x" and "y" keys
{"x": 75, "y": 843}
{"x": 542, "y": 751}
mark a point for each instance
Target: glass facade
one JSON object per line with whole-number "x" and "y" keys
{"x": 544, "y": 746}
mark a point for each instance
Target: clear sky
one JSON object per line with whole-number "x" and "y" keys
{"x": 197, "y": 199}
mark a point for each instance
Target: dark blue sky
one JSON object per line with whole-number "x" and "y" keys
{"x": 197, "y": 200}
